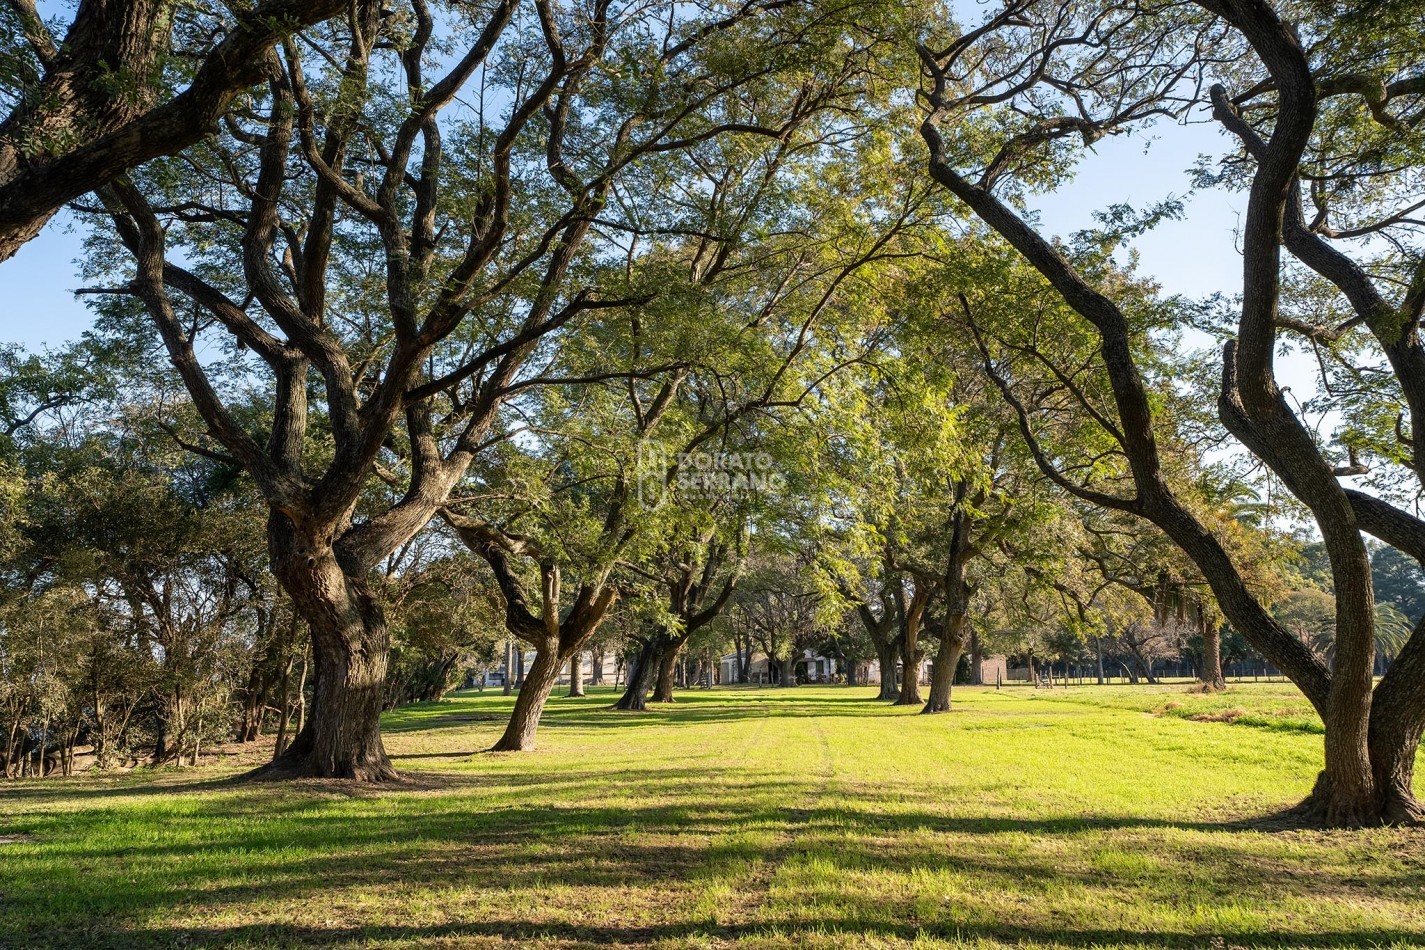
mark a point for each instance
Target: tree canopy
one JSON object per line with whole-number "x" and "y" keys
{"x": 431, "y": 339}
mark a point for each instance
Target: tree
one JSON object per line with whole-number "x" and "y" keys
{"x": 779, "y": 606}
{"x": 1399, "y": 581}
{"x": 934, "y": 482}
{"x": 138, "y": 565}
{"x": 1004, "y": 79}
{"x": 697, "y": 572}
{"x": 390, "y": 292}
{"x": 874, "y": 604}
{"x": 1140, "y": 559}
{"x": 445, "y": 620}
{"x": 126, "y": 82}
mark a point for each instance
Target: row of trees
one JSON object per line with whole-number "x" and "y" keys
{"x": 506, "y": 316}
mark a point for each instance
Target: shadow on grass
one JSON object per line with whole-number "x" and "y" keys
{"x": 692, "y": 707}
{"x": 834, "y": 930}
{"x": 519, "y": 849}
{"x": 673, "y": 831}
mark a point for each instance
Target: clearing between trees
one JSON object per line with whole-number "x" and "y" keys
{"x": 1103, "y": 817}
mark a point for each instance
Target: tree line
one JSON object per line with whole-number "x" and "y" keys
{"x": 665, "y": 328}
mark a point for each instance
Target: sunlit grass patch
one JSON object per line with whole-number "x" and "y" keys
{"x": 1078, "y": 818}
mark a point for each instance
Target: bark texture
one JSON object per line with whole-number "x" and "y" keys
{"x": 1210, "y": 677}
{"x": 1369, "y": 738}
{"x": 91, "y": 115}
{"x": 350, "y": 642}
{"x": 539, "y": 680}
{"x": 576, "y": 674}
{"x": 641, "y": 672}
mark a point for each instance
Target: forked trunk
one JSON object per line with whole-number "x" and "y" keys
{"x": 667, "y": 665}
{"x": 539, "y": 682}
{"x": 910, "y": 681}
{"x": 640, "y": 679}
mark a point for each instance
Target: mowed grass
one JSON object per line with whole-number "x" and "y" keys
{"x": 1087, "y": 817}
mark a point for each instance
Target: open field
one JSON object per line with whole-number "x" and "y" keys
{"x": 1093, "y": 817}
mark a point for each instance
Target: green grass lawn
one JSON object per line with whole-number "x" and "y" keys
{"x": 1087, "y": 817}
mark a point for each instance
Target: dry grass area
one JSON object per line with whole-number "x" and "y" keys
{"x": 1087, "y": 817}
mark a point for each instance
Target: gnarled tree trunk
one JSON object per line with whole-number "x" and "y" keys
{"x": 350, "y": 642}
{"x": 667, "y": 664}
{"x": 640, "y": 679}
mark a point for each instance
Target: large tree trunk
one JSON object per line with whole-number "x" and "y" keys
{"x": 957, "y": 607}
{"x": 350, "y": 642}
{"x": 1394, "y": 743}
{"x": 942, "y": 674}
{"x": 1210, "y": 676}
{"x": 789, "y": 671}
{"x": 1397, "y": 719}
{"x": 911, "y": 618}
{"x": 910, "y": 680}
{"x": 886, "y": 656}
{"x": 667, "y": 664}
{"x": 539, "y": 682}
{"x": 977, "y": 660}
{"x": 576, "y": 674}
{"x": 342, "y": 738}
{"x": 640, "y": 679}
